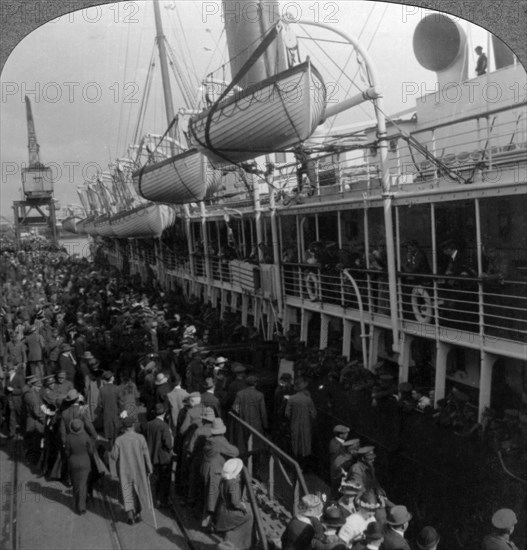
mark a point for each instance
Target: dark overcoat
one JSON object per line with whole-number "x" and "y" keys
{"x": 301, "y": 412}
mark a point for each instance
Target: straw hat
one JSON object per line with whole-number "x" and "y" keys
{"x": 310, "y": 505}
{"x": 232, "y": 468}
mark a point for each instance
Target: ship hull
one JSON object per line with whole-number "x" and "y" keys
{"x": 273, "y": 115}
{"x": 183, "y": 178}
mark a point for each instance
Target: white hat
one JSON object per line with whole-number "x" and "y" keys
{"x": 232, "y": 468}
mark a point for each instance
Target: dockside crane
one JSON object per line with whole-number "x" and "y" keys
{"x": 37, "y": 209}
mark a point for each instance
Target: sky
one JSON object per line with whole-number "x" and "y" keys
{"x": 85, "y": 76}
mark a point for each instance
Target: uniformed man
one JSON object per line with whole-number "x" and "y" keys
{"x": 503, "y": 523}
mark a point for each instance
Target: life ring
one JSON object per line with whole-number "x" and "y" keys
{"x": 313, "y": 286}
{"x": 422, "y": 304}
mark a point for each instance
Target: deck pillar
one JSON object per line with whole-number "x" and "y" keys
{"x": 375, "y": 336}
{"x": 304, "y": 323}
{"x": 245, "y": 309}
{"x": 347, "y": 334}
{"x": 487, "y": 361}
{"x": 405, "y": 357}
{"x": 442, "y": 350}
{"x": 324, "y": 328}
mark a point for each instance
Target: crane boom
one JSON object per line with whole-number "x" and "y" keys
{"x": 32, "y": 144}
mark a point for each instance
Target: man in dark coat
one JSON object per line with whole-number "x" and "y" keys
{"x": 35, "y": 345}
{"x": 163, "y": 387}
{"x": 249, "y": 405}
{"x": 195, "y": 371}
{"x": 300, "y": 411}
{"x": 397, "y": 519}
{"x": 14, "y": 385}
{"x": 208, "y": 399}
{"x": 68, "y": 363}
{"x": 216, "y": 450}
{"x": 35, "y": 419}
{"x": 62, "y": 386}
{"x": 108, "y": 407}
{"x": 159, "y": 440}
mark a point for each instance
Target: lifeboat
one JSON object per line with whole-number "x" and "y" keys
{"x": 186, "y": 177}
{"x": 275, "y": 114}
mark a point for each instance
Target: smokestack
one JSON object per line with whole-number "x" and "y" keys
{"x": 440, "y": 45}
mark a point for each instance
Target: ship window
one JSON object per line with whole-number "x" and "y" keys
{"x": 456, "y": 221}
{"x": 504, "y": 227}
{"x": 415, "y": 235}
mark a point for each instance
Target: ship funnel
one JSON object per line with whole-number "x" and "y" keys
{"x": 440, "y": 45}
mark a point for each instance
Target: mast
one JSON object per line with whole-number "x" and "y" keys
{"x": 32, "y": 144}
{"x": 167, "y": 90}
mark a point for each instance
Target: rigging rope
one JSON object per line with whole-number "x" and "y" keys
{"x": 123, "y": 80}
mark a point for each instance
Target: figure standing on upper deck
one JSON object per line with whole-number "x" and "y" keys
{"x": 481, "y": 65}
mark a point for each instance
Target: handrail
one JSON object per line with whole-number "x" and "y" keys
{"x": 363, "y": 334}
{"x": 256, "y": 510}
{"x": 276, "y": 449}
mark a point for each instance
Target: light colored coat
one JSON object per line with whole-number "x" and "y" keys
{"x": 130, "y": 451}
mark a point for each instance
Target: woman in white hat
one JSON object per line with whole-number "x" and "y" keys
{"x": 234, "y": 519}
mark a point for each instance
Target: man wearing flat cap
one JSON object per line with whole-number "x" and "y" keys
{"x": 336, "y": 447}
{"x": 503, "y": 524}
{"x": 397, "y": 521}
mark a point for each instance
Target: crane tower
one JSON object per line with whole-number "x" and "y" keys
{"x": 37, "y": 209}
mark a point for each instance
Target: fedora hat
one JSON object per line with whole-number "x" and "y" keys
{"x": 161, "y": 378}
{"x": 87, "y": 355}
{"x": 72, "y": 395}
{"x": 427, "y": 538}
{"x": 220, "y": 360}
{"x": 218, "y": 427}
{"x": 232, "y": 468}
{"x": 333, "y": 516}
{"x": 208, "y": 383}
{"x": 66, "y": 347}
{"x": 107, "y": 375}
{"x": 160, "y": 409}
{"x": 397, "y": 515}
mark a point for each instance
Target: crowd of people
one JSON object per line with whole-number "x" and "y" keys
{"x": 105, "y": 376}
